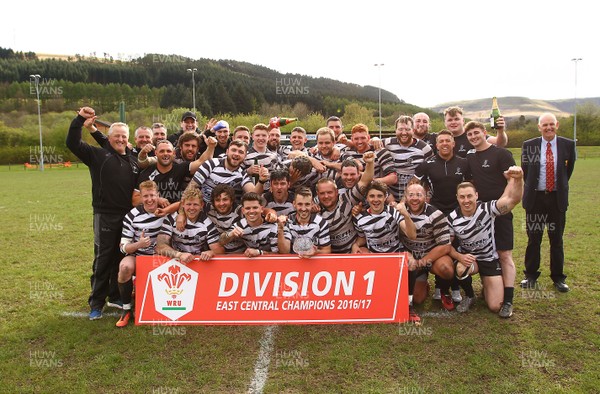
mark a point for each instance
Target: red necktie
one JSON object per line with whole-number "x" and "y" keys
{"x": 549, "y": 168}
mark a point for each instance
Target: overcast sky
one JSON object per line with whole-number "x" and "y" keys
{"x": 433, "y": 51}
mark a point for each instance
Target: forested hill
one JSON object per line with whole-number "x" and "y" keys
{"x": 223, "y": 86}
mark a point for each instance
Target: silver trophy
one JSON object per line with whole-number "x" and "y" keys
{"x": 303, "y": 245}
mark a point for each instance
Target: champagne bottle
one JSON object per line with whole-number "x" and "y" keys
{"x": 495, "y": 113}
{"x": 277, "y": 122}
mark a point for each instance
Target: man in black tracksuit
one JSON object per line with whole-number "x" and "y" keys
{"x": 114, "y": 172}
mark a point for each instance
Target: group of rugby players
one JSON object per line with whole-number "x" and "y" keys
{"x": 445, "y": 198}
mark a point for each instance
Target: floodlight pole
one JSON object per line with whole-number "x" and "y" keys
{"x": 37, "y": 92}
{"x": 193, "y": 70}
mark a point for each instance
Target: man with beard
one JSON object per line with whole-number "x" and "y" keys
{"x": 303, "y": 227}
{"x": 455, "y": 123}
{"x": 472, "y": 223}
{"x": 228, "y": 171}
{"x": 408, "y": 153}
{"x": 488, "y": 164}
{"x": 336, "y": 209}
{"x": 187, "y": 148}
{"x": 323, "y": 163}
{"x": 430, "y": 250}
{"x": 221, "y": 130}
{"x": 379, "y": 230}
{"x": 349, "y": 176}
{"x": 223, "y": 214}
{"x": 326, "y": 161}
{"x": 199, "y": 237}
{"x": 422, "y": 128}
{"x": 384, "y": 162}
{"x": 274, "y": 145}
{"x": 258, "y": 236}
{"x": 113, "y": 170}
{"x": 274, "y": 141}
{"x": 140, "y": 229}
{"x": 159, "y": 133}
{"x": 170, "y": 176}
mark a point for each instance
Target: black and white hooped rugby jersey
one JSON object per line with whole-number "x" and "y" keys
{"x": 328, "y": 173}
{"x": 432, "y": 230}
{"x": 341, "y": 229}
{"x": 476, "y": 233}
{"x": 406, "y": 160}
{"x": 225, "y": 222}
{"x": 269, "y": 159}
{"x": 317, "y": 230}
{"x": 262, "y": 237}
{"x": 136, "y": 221}
{"x": 213, "y": 172}
{"x": 196, "y": 236}
{"x": 381, "y": 231}
{"x": 384, "y": 162}
{"x": 283, "y": 208}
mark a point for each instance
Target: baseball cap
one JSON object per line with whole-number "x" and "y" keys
{"x": 188, "y": 114}
{"x": 221, "y": 125}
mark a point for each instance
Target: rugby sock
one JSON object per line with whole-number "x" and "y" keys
{"x": 467, "y": 285}
{"x": 410, "y": 297}
{"x": 508, "y": 294}
{"x": 437, "y": 282}
{"x": 125, "y": 289}
{"x": 444, "y": 285}
{"x": 454, "y": 284}
{"x": 412, "y": 279}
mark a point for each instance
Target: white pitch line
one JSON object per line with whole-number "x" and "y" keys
{"x": 86, "y": 314}
{"x": 442, "y": 314}
{"x": 261, "y": 368}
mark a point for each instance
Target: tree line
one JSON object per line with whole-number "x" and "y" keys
{"x": 224, "y": 86}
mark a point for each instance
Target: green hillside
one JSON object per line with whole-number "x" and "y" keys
{"x": 156, "y": 80}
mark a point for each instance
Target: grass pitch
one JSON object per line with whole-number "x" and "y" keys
{"x": 551, "y": 344}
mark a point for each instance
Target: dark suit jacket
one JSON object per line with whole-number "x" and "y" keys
{"x": 565, "y": 163}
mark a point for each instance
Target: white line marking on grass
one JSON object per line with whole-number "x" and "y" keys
{"x": 261, "y": 368}
{"x": 443, "y": 315}
{"x": 86, "y": 314}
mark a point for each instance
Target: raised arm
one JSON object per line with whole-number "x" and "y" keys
{"x": 501, "y": 138}
{"x": 283, "y": 244}
{"x": 74, "y": 142}
{"x": 367, "y": 176}
{"x": 407, "y": 225}
{"x": 211, "y": 143}
{"x": 143, "y": 160}
{"x": 513, "y": 192}
{"x": 98, "y": 136}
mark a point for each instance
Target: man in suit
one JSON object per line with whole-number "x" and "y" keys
{"x": 548, "y": 163}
